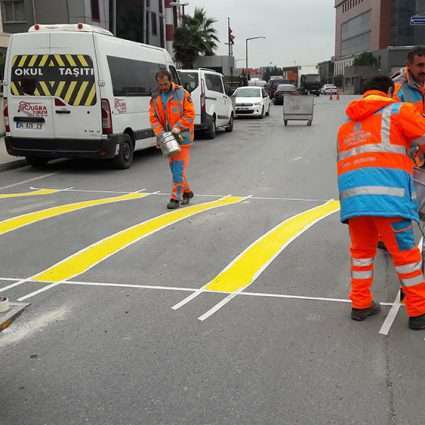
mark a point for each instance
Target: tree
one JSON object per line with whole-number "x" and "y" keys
{"x": 196, "y": 37}
{"x": 366, "y": 59}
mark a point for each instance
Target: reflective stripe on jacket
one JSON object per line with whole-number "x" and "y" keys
{"x": 374, "y": 169}
{"x": 179, "y": 112}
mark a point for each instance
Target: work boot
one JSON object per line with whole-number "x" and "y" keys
{"x": 187, "y": 196}
{"x": 173, "y": 204}
{"x": 417, "y": 323}
{"x": 359, "y": 315}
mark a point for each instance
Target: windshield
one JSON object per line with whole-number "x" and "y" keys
{"x": 190, "y": 80}
{"x": 248, "y": 92}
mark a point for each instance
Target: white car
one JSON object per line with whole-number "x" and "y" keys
{"x": 329, "y": 89}
{"x": 251, "y": 101}
{"x": 78, "y": 91}
{"x": 213, "y": 108}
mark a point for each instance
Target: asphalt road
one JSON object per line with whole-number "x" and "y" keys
{"x": 267, "y": 341}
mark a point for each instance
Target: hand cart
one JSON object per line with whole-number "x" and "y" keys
{"x": 298, "y": 108}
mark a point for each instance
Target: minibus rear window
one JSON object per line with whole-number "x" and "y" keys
{"x": 190, "y": 80}
{"x": 68, "y": 77}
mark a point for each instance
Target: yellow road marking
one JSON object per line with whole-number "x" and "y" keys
{"x": 243, "y": 271}
{"x": 39, "y": 192}
{"x": 15, "y": 223}
{"x": 87, "y": 258}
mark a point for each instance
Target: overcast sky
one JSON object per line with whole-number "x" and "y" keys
{"x": 297, "y": 31}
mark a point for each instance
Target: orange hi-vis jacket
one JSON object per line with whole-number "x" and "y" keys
{"x": 374, "y": 168}
{"x": 407, "y": 90}
{"x": 179, "y": 112}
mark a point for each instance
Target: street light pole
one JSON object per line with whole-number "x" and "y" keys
{"x": 246, "y": 48}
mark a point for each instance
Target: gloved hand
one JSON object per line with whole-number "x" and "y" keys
{"x": 176, "y": 131}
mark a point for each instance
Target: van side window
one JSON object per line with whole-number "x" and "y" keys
{"x": 214, "y": 83}
{"x": 132, "y": 78}
{"x": 175, "y": 75}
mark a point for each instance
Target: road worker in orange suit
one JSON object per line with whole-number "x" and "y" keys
{"x": 171, "y": 109}
{"x": 378, "y": 197}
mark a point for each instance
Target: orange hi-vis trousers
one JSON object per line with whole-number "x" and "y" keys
{"x": 179, "y": 164}
{"x": 399, "y": 239}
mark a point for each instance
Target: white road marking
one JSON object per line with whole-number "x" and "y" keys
{"x": 200, "y": 195}
{"x": 14, "y": 285}
{"x": 179, "y": 289}
{"x": 392, "y": 314}
{"x": 45, "y": 176}
{"x": 39, "y": 291}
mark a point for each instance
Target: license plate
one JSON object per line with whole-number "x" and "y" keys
{"x": 29, "y": 125}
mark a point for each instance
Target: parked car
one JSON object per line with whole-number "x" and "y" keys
{"x": 213, "y": 107}
{"x": 329, "y": 89}
{"x": 78, "y": 91}
{"x": 284, "y": 90}
{"x": 251, "y": 101}
{"x": 273, "y": 85}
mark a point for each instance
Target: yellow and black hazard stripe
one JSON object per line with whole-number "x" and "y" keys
{"x": 58, "y": 60}
{"x": 75, "y": 89}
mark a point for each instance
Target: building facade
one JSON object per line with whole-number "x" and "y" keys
{"x": 137, "y": 20}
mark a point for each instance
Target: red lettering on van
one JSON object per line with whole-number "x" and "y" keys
{"x": 33, "y": 109}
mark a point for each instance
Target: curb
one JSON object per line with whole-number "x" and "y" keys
{"x": 13, "y": 164}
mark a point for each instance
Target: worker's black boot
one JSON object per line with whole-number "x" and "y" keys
{"x": 361, "y": 314}
{"x": 417, "y": 323}
{"x": 173, "y": 204}
{"x": 187, "y": 196}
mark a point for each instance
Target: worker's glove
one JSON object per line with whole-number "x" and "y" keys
{"x": 176, "y": 131}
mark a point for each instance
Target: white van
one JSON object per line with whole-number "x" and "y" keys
{"x": 214, "y": 109}
{"x": 78, "y": 91}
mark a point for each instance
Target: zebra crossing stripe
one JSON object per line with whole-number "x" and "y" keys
{"x": 89, "y": 257}
{"x": 15, "y": 223}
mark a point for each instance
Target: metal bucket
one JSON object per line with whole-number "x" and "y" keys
{"x": 419, "y": 179}
{"x": 168, "y": 144}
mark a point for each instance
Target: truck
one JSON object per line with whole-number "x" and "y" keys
{"x": 310, "y": 84}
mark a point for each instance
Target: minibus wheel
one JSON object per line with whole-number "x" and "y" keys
{"x": 125, "y": 156}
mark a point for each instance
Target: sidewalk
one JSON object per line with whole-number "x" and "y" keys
{"x": 7, "y": 161}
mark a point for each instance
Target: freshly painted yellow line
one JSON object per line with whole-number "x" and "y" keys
{"x": 243, "y": 271}
{"x": 87, "y": 258}
{"x": 39, "y": 192}
{"x": 15, "y": 223}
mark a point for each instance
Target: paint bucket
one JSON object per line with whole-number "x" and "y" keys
{"x": 4, "y": 305}
{"x": 419, "y": 179}
{"x": 168, "y": 144}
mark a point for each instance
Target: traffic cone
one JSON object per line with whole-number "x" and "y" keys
{"x": 337, "y": 95}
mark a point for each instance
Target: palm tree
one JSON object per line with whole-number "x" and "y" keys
{"x": 196, "y": 37}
